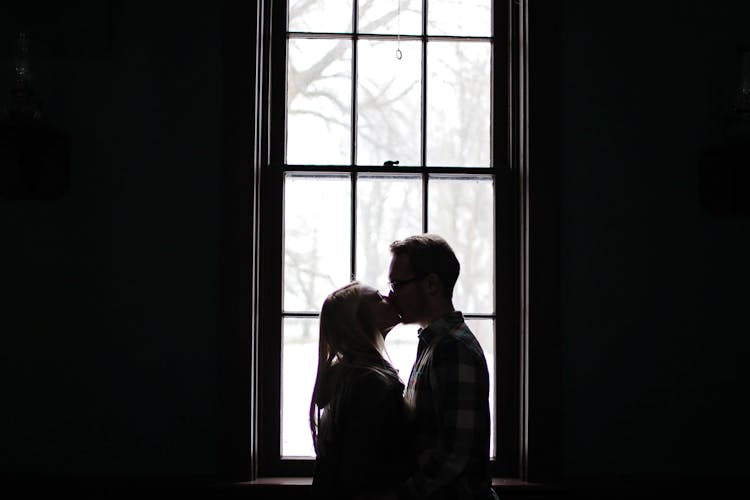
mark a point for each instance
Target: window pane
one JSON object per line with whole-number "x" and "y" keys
{"x": 484, "y": 331}
{"x": 299, "y": 361}
{"x": 388, "y": 102}
{"x": 462, "y": 212}
{"x": 317, "y": 218}
{"x": 467, "y": 18}
{"x": 458, "y": 104}
{"x": 401, "y": 348}
{"x": 327, "y": 16}
{"x": 319, "y": 102}
{"x": 379, "y": 16}
{"x": 388, "y": 209}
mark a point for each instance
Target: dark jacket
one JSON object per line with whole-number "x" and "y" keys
{"x": 364, "y": 439}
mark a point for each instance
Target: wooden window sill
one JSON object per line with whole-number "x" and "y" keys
{"x": 303, "y": 483}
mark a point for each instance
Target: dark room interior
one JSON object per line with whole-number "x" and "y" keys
{"x": 124, "y": 293}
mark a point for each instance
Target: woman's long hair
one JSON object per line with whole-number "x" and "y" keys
{"x": 348, "y": 340}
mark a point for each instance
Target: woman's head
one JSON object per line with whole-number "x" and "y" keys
{"x": 354, "y": 321}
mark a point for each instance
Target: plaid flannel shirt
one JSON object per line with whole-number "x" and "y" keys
{"x": 448, "y": 392}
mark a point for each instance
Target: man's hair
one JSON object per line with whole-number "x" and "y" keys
{"x": 430, "y": 253}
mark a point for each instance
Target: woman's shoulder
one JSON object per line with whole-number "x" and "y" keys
{"x": 369, "y": 387}
{"x": 383, "y": 376}
{"x": 361, "y": 384}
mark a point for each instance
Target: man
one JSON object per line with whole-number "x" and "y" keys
{"x": 448, "y": 388}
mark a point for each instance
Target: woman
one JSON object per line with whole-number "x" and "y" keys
{"x": 358, "y": 419}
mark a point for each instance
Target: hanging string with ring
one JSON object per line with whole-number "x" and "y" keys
{"x": 398, "y": 30}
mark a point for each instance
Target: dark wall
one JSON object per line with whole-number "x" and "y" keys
{"x": 108, "y": 296}
{"x": 654, "y": 288}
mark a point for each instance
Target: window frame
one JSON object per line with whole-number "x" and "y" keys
{"x": 257, "y": 453}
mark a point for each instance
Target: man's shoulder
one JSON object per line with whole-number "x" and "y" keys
{"x": 458, "y": 332}
{"x": 450, "y": 324}
{"x": 460, "y": 341}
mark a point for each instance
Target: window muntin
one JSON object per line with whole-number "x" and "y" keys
{"x": 351, "y": 107}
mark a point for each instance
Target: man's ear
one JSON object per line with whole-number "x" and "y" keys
{"x": 432, "y": 284}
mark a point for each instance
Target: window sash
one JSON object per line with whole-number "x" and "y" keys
{"x": 427, "y": 184}
{"x": 425, "y": 40}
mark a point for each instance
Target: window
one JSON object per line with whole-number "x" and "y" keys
{"x": 386, "y": 118}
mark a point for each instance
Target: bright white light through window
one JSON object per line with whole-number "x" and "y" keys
{"x": 448, "y": 126}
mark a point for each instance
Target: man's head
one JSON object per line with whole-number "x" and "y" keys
{"x": 422, "y": 273}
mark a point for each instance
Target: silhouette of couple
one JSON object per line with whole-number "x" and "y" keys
{"x": 375, "y": 438}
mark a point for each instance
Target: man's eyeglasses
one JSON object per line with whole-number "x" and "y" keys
{"x": 395, "y": 286}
